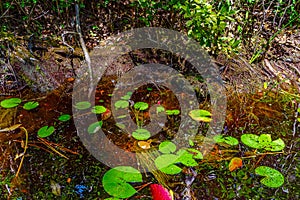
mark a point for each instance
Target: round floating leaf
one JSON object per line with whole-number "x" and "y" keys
{"x": 94, "y": 127}
{"x": 64, "y": 117}
{"x": 200, "y": 115}
{"x": 10, "y": 103}
{"x": 126, "y": 97}
{"x": 251, "y": 140}
{"x": 172, "y": 112}
{"x": 186, "y": 158}
{"x": 83, "y": 105}
{"x": 167, "y": 147}
{"x": 116, "y": 181}
{"x": 45, "y": 131}
{"x": 166, "y": 164}
{"x": 160, "y": 109}
{"x": 264, "y": 139}
{"x": 273, "y": 178}
{"x": 276, "y": 145}
{"x": 30, "y": 105}
{"x": 98, "y": 109}
{"x": 226, "y": 139}
{"x": 121, "y": 104}
{"x": 141, "y": 105}
{"x": 235, "y": 163}
{"x": 141, "y": 134}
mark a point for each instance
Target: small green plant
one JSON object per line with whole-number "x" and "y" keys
{"x": 141, "y": 134}
{"x": 10, "y": 103}
{"x": 273, "y": 178}
{"x": 141, "y": 106}
{"x": 226, "y": 139}
{"x": 172, "y": 112}
{"x": 121, "y": 104}
{"x": 30, "y": 105}
{"x": 116, "y": 181}
{"x": 64, "y": 117}
{"x": 83, "y": 105}
{"x": 200, "y": 115}
{"x": 98, "y": 109}
{"x": 94, "y": 127}
{"x": 46, "y": 131}
{"x": 263, "y": 141}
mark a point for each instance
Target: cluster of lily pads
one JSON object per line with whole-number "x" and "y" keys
{"x": 44, "y": 131}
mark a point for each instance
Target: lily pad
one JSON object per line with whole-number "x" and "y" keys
{"x": 273, "y": 178}
{"x": 10, "y": 103}
{"x": 82, "y": 105}
{"x": 140, "y": 105}
{"x": 30, "y": 105}
{"x": 166, "y": 164}
{"x": 141, "y": 134}
{"x": 235, "y": 163}
{"x": 94, "y": 127}
{"x": 167, "y": 147}
{"x": 45, "y": 131}
{"x": 160, "y": 109}
{"x": 226, "y": 139}
{"x": 172, "y": 112}
{"x": 186, "y": 158}
{"x": 264, "y": 139}
{"x": 116, "y": 181}
{"x": 276, "y": 145}
{"x": 121, "y": 104}
{"x": 200, "y": 115}
{"x": 64, "y": 117}
{"x": 251, "y": 140}
{"x": 98, "y": 109}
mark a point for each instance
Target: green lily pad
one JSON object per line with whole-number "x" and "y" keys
{"x": 141, "y": 134}
{"x": 226, "y": 139}
{"x": 186, "y": 158}
{"x": 82, "y": 105}
{"x": 121, "y": 104}
{"x": 30, "y": 105}
{"x": 64, "y": 117}
{"x": 200, "y": 115}
{"x": 276, "y": 145}
{"x": 172, "y": 112}
{"x": 160, "y": 109}
{"x": 166, "y": 164}
{"x": 273, "y": 178}
{"x": 116, "y": 181}
{"x": 126, "y": 97}
{"x": 98, "y": 109}
{"x": 251, "y": 140}
{"x": 94, "y": 127}
{"x": 264, "y": 139}
{"x": 167, "y": 147}
{"x": 140, "y": 105}
{"x": 45, "y": 131}
{"x": 10, "y": 103}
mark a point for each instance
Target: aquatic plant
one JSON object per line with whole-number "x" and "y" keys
{"x": 98, "y": 109}
{"x": 273, "y": 178}
{"x": 141, "y": 134}
{"x": 82, "y": 105}
{"x": 116, "y": 181}
{"x": 235, "y": 163}
{"x": 45, "y": 131}
{"x": 10, "y": 103}
{"x": 94, "y": 127}
{"x": 263, "y": 141}
{"x": 200, "y": 115}
{"x": 64, "y": 117}
{"x": 30, "y": 105}
{"x": 226, "y": 139}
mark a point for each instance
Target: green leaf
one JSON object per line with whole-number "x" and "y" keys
{"x": 196, "y": 154}
{"x": 166, "y": 164}
{"x": 264, "y": 139}
{"x": 94, "y": 127}
{"x": 10, "y": 103}
{"x": 121, "y": 104}
{"x": 116, "y": 181}
{"x": 273, "y": 178}
{"x": 141, "y": 134}
{"x": 98, "y": 109}
{"x": 276, "y": 145}
{"x": 186, "y": 158}
{"x": 30, "y": 105}
{"x": 226, "y": 139}
{"x": 141, "y": 105}
{"x": 172, "y": 112}
{"x": 83, "y": 105}
{"x": 160, "y": 109}
{"x": 167, "y": 147}
{"x": 45, "y": 131}
{"x": 126, "y": 97}
{"x": 251, "y": 140}
{"x": 200, "y": 115}
{"x": 64, "y": 117}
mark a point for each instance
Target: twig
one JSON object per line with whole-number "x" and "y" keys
{"x": 25, "y": 147}
{"x": 84, "y": 49}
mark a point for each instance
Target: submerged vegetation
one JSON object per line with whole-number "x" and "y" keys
{"x": 255, "y": 46}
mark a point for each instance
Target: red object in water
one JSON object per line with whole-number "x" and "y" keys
{"x": 159, "y": 192}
